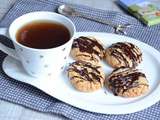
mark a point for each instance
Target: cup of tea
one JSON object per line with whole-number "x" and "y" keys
{"x": 42, "y": 42}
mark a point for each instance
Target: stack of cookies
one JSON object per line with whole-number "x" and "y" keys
{"x": 86, "y": 73}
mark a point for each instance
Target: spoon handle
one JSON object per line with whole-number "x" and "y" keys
{"x": 117, "y": 28}
{"x": 97, "y": 20}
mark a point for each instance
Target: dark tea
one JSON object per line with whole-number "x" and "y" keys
{"x": 43, "y": 35}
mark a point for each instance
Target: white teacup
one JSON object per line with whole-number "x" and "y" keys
{"x": 40, "y": 62}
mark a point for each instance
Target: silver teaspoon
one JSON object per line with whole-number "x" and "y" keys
{"x": 69, "y": 11}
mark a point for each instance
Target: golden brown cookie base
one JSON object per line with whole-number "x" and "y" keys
{"x": 87, "y": 49}
{"x": 86, "y": 77}
{"x": 86, "y": 86}
{"x": 123, "y": 54}
{"x": 127, "y": 82}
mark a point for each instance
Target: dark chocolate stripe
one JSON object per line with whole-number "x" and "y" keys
{"x": 123, "y": 82}
{"x": 129, "y": 50}
{"x": 123, "y": 70}
{"x": 83, "y": 71}
{"x": 87, "y": 45}
{"x": 119, "y": 56}
{"x": 94, "y": 42}
{"x": 88, "y": 56}
{"x": 88, "y": 65}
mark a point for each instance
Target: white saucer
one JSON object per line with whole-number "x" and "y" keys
{"x": 98, "y": 101}
{"x": 14, "y": 69}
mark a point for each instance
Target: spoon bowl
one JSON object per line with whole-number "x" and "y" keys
{"x": 66, "y": 10}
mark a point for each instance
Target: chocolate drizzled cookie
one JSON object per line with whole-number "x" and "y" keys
{"x": 87, "y": 49}
{"x": 127, "y": 82}
{"x": 85, "y": 76}
{"x": 123, "y": 54}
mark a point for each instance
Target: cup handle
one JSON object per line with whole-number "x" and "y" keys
{"x": 11, "y": 52}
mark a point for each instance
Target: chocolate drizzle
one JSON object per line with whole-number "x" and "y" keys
{"x": 124, "y": 80}
{"x": 119, "y": 57}
{"x": 87, "y": 56}
{"x": 88, "y": 45}
{"x": 122, "y": 50}
{"x": 82, "y": 67}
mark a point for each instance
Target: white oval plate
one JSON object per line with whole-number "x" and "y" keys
{"x": 101, "y": 101}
